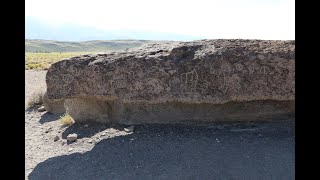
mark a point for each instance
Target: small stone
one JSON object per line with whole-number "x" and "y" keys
{"x": 56, "y": 138}
{"x": 70, "y": 149}
{"x": 41, "y": 109}
{"x": 103, "y": 134}
{"x": 48, "y": 130}
{"x": 90, "y": 141}
{"x": 129, "y": 129}
{"x": 72, "y": 137}
{"x": 86, "y": 125}
{"x": 63, "y": 143}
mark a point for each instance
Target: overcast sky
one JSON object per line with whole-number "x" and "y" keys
{"x": 247, "y": 19}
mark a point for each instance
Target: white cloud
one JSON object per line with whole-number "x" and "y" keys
{"x": 268, "y": 19}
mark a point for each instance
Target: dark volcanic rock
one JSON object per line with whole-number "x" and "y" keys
{"x": 195, "y": 81}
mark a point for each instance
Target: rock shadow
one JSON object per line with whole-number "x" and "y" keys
{"x": 49, "y": 117}
{"x": 180, "y": 152}
{"x": 87, "y": 130}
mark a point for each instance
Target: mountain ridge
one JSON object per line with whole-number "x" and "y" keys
{"x": 42, "y": 45}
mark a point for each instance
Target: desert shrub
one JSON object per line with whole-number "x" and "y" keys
{"x": 32, "y": 66}
{"x": 45, "y": 66}
{"x": 37, "y": 66}
{"x": 66, "y": 120}
{"x": 35, "y": 99}
{"x": 42, "y": 61}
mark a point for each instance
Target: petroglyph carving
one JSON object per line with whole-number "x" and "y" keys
{"x": 190, "y": 79}
{"x": 54, "y": 79}
{"x": 264, "y": 70}
{"x": 65, "y": 90}
{"x": 154, "y": 85}
{"x": 223, "y": 84}
{"x": 239, "y": 67}
{"x": 191, "y": 84}
{"x": 67, "y": 78}
{"x": 226, "y": 68}
{"x": 251, "y": 69}
{"x": 233, "y": 67}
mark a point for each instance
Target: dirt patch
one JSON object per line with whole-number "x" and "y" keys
{"x": 35, "y": 81}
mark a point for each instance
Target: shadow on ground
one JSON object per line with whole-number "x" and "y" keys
{"x": 264, "y": 151}
{"x": 90, "y": 130}
{"x": 48, "y": 117}
{"x": 32, "y": 109}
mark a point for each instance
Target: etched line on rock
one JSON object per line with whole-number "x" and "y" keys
{"x": 67, "y": 78}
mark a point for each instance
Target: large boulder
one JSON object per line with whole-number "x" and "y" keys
{"x": 179, "y": 82}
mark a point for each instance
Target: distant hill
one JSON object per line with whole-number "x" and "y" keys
{"x": 37, "y": 45}
{"x": 40, "y": 29}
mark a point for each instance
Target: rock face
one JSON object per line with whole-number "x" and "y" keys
{"x": 187, "y": 82}
{"x": 55, "y": 106}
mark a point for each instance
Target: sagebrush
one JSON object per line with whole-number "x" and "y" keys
{"x": 35, "y": 99}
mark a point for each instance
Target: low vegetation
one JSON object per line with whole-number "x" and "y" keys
{"x": 35, "y": 100}
{"x": 40, "y": 54}
{"x": 66, "y": 120}
{"x": 42, "y": 61}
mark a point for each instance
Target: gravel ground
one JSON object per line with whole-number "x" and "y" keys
{"x": 109, "y": 151}
{"x": 42, "y": 127}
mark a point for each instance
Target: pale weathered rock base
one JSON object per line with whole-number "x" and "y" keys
{"x": 106, "y": 111}
{"x": 53, "y": 106}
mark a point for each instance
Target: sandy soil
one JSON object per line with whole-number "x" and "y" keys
{"x": 35, "y": 81}
{"x": 107, "y": 151}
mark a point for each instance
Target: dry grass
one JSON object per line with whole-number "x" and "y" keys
{"x": 35, "y": 99}
{"x": 42, "y": 61}
{"x": 66, "y": 120}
